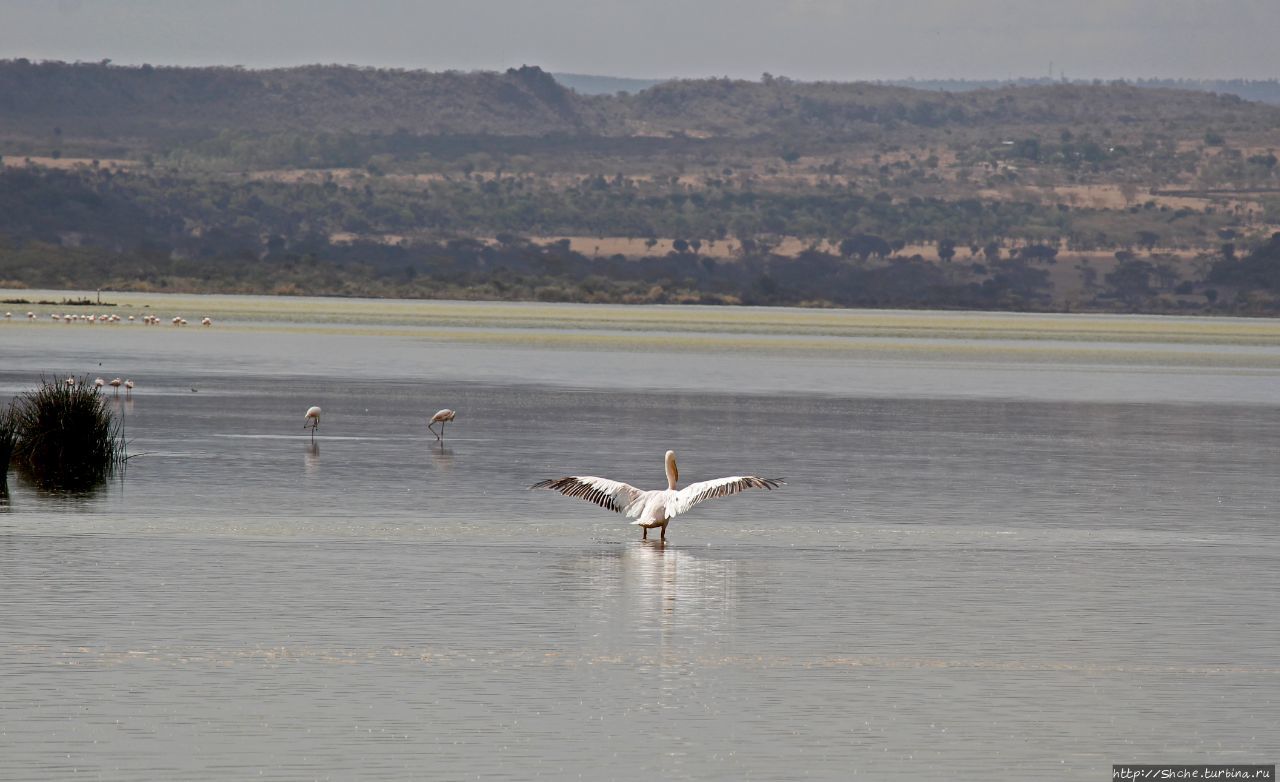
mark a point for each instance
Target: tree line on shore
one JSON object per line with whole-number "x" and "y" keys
{"x": 96, "y": 228}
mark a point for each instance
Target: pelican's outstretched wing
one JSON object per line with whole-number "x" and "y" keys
{"x": 694, "y": 493}
{"x": 613, "y": 495}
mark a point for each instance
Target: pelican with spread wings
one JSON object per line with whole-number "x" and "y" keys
{"x": 657, "y": 507}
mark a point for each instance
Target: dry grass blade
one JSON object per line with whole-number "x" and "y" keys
{"x": 8, "y": 439}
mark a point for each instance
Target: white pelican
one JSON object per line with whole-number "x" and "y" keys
{"x": 442, "y": 417}
{"x": 311, "y": 420}
{"x": 657, "y": 507}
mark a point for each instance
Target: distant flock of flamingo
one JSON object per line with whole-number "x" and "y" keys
{"x": 114, "y": 382}
{"x": 149, "y": 320}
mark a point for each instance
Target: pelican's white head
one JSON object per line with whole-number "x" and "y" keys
{"x": 673, "y": 473}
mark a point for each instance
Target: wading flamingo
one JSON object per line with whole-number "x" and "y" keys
{"x": 128, "y": 389}
{"x": 657, "y": 507}
{"x": 115, "y": 383}
{"x": 442, "y": 417}
{"x": 310, "y": 420}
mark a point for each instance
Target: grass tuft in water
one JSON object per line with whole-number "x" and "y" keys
{"x": 66, "y": 435}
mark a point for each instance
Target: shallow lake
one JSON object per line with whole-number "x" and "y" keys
{"x": 1009, "y": 547}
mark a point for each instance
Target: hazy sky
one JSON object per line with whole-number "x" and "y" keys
{"x": 805, "y": 39}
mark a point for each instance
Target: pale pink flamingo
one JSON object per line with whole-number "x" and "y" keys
{"x": 442, "y": 417}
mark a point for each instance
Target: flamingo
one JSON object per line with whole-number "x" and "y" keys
{"x": 115, "y": 383}
{"x": 128, "y": 389}
{"x": 206, "y": 321}
{"x": 657, "y": 507}
{"x": 311, "y": 419}
{"x": 99, "y": 383}
{"x": 442, "y": 417}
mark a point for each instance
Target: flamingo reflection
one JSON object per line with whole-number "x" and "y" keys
{"x": 311, "y": 459}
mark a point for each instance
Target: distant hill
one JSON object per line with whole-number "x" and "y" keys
{"x": 603, "y": 85}
{"x": 795, "y": 111}
{"x": 102, "y": 101}
{"x": 1260, "y": 90}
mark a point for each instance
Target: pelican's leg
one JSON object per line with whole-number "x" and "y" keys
{"x": 645, "y": 536}
{"x": 664, "y": 532}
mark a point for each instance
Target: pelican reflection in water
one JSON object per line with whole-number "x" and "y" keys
{"x": 656, "y": 507}
{"x": 651, "y": 599}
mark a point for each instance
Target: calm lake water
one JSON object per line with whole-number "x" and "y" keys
{"x": 1002, "y": 553}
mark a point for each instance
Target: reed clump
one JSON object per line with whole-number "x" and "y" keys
{"x": 65, "y": 435}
